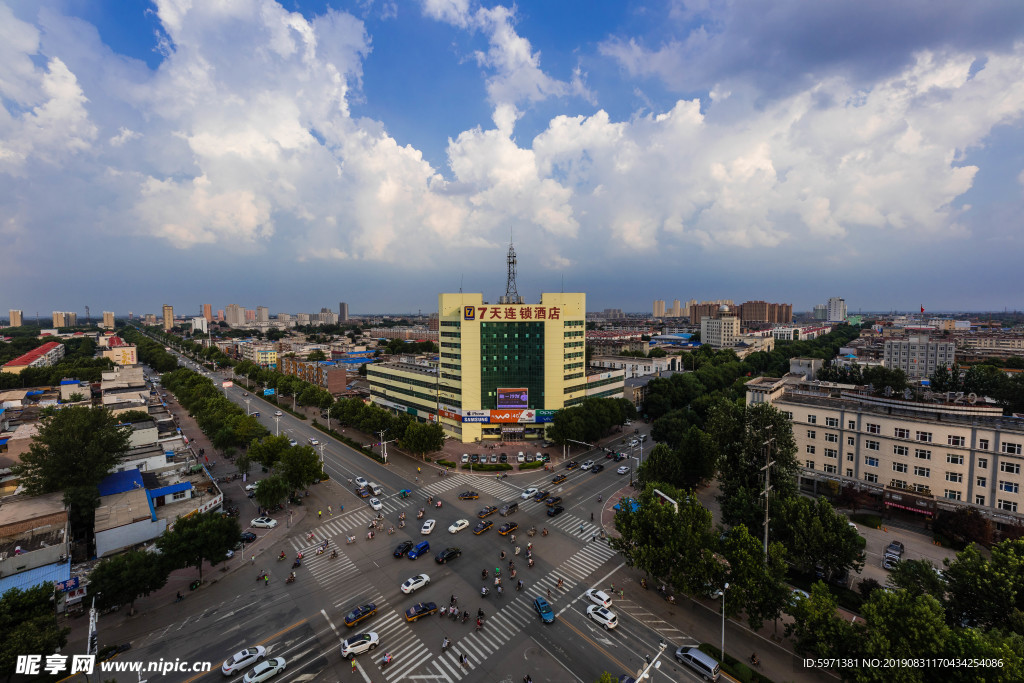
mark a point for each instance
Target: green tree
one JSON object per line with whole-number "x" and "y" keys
{"x": 28, "y": 625}
{"x": 756, "y": 588}
{"x": 207, "y": 536}
{"x": 899, "y": 625}
{"x": 271, "y": 491}
{"x": 700, "y": 455}
{"x": 120, "y": 579}
{"x": 662, "y": 465}
{"x": 607, "y": 678}
{"x": 243, "y": 463}
{"x": 918, "y": 577}
{"x": 316, "y": 355}
{"x": 299, "y": 467}
{"x": 421, "y": 438}
{"x": 987, "y": 592}
{"x": 815, "y": 626}
{"x": 816, "y": 535}
{"x": 269, "y": 450}
{"x": 657, "y": 353}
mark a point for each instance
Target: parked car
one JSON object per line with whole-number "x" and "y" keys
{"x": 263, "y": 523}
{"x": 465, "y": 458}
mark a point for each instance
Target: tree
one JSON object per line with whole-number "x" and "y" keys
{"x": 299, "y": 467}
{"x": 269, "y": 450}
{"x": 123, "y": 578}
{"x": 316, "y": 354}
{"x": 421, "y": 438}
{"x": 244, "y": 463}
{"x": 816, "y": 535}
{"x": 207, "y": 536}
{"x": 755, "y": 587}
{"x": 987, "y": 593}
{"x": 964, "y": 525}
{"x": 75, "y": 446}
{"x": 918, "y": 577}
{"x": 271, "y": 491}
{"x": 657, "y": 353}
{"x": 700, "y": 455}
{"x": 28, "y": 626}
{"x": 817, "y": 629}
{"x": 899, "y": 625}
{"x": 607, "y": 678}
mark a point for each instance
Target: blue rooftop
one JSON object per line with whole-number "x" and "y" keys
{"x": 47, "y": 574}
{"x": 119, "y": 482}
{"x": 168, "y": 490}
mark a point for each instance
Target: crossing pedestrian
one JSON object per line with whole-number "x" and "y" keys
{"x": 252, "y": 560}
{"x": 353, "y": 665}
{"x": 581, "y": 528}
{"x": 330, "y": 511}
{"x": 319, "y": 514}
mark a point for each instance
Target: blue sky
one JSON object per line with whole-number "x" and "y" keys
{"x": 297, "y": 154}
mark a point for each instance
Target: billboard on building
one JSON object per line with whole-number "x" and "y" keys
{"x": 516, "y": 399}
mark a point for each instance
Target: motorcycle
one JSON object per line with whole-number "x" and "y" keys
{"x": 194, "y": 585}
{"x": 290, "y": 579}
{"x": 350, "y": 540}
{"x": 419, "y": 515}
{"x": 444, "y": 645}
{"x": 296, "y": 564}
{"x": 438, "y": 503}
{"x": 391, "y": 530}
{"x": 532, "y": 532}
{"x": 544, "y": 532}
{"x": 483, "y": 574}
{"x": 465, "y": 617}
{"x": 282, "y": 556}
{"x": 386, "y": 661}
{"x": 643, "y": 582}
{"x": 334, "y": 554}
{"x": 401, "y": 525}
{"x": 670, "y": 599}
{"x": 484, "y": 592}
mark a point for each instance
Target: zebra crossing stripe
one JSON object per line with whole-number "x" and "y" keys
{"x": 410, "y": 666}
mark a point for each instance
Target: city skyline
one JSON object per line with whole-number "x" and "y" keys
{"x": 289, "y": 156}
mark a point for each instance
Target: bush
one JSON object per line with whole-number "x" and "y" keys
{"x": 531, "y": 465}
{"x": 496, "y": 467}
{"x": 447, "y": 463}
{"x": 873, "y": 521}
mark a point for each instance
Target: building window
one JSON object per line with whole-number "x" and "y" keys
{"x": 180, "y": 495}
{"x": 870, "y": 477}
{"x": 924, "y": 436}
{"x": 850, "y": 441}
{"x": 1007, "y": 505}
{"x": 982, "y": 463}
{"x": 922, "y": 471}
{"x": 979, "y": 500}
{"x": 899, "y": 467}
{"x": 809, "y": 464}
{"x": 900, "y": 450}
{"x": 831, "y": 453}
{"x": 810, "y": 433}
{"x": 832, "y": 438}
{"x": 874, "y": 429}
{"x": 812, "y": 419}
{"x": 1009, "y": 467}
{"x": 982, "y": 482}
{"x": 1010, "y": 448}
{"x": 1009, "y": 486}
{"x": 954, "y": 477}
{"x": 922, "y": 453}
{"x": 898, "y": 484}
{"x": 983, "y": 444}
{"x": 902, "y": 433}
{"x": 851, "y": 424}
{"x": 831, "y": 421}
{"x": 788, "y": 414}
{"x": 870, "y": 462}
{"x": 952, "y": 495}
{"x": 849, "y": 472}
{"x": 954, "y": 459}
{"x": 829, "y": 469}
{"x": 849, "y": 457}
{"x": 810, "y": 449}
{"x": 871, "y": 445}
{"x": 955, "y": 440}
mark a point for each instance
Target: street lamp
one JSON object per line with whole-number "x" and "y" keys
{"x": 722, "y": 593}
{"x": 277, "y": 426}
{"x": 644, "y": 674}
{"x": 247, "y": 407}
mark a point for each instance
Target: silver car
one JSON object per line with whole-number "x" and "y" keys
{"x": 265, "y": 670}
{"x": 357, "y": 645}
{"x": 242, "y": 660}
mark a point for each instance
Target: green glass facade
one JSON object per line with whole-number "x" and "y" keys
{"x": 511, "y": 356}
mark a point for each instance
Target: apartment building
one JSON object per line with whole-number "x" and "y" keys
{"x": 918, "y": 356}
{"x": 329, "y": 375}
{"x": 15, "y": 317}
{"x": 41, "y": 356}
{"x": 108, "y": 320}
{"x": 659, "y": 308}
{"x": 721, "y": 331}
{"x": 168, "y": 313}
{"x": 836, "y": 309}
{"x": 918, "y": 456}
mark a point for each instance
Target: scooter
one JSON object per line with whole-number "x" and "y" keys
{"x": 334, "y": 554}
{"x": 296, "y": 564}
{"x": 290, "y": 579}
{"x": 350, "y": 540}
{"x": 484, "y": 592}
{"x": 282, "y": 556}
{"x": 385, "y": 662}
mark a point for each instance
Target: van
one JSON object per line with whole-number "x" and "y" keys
{"x": 375, "y": 489}
{"x": 507, "y": 510}
{"x": 419, "y": 549}
{"x": 704, "y": 665}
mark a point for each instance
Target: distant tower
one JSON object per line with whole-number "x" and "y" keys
{"x": 511, "y": 293}
{"x": 88, "y": 316}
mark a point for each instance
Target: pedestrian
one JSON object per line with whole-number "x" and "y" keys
{"x": 319, "y": 514}
{"x": 549, "y": 594}
{"x": 330, "y": 511}
{"x": 266, "y": 579}
{"x": 591, "y": 516}
{"x": 581, "y": 528}
{"x": 252, "y": 560}
{"x": 593, "y": 537}
{"x": 353, "y": 665}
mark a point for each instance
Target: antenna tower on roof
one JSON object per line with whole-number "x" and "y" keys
{"x": 511, "y": 293}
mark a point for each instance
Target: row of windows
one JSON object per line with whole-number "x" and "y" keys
{"x": 574, "y": 345}
{"x": 574, "y": 323}
{"x": 572, "y": 366}
{"x": 575, "y": 375}
{"x": 573, "y": 334}
{"x": 451, "y": 366}
{"x": 450, "y": 345}
{"x": 578, "y": 354}
{"x": 385, "y": 377}
{"x": 1007, "y": 447}
{"x": 448, "y": 375}
{"x": 451, "y": 323}
{"x": 456, "y": 335}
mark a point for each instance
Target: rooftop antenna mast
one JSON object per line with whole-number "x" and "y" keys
{"x": 511, "y": 293}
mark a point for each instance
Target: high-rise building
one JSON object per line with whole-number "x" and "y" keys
{"x": 764, "y": 312}
{"x": 208, "y": 312}
{"x": 235, "y": 315}
{"x": 70, "y": 318}
{"x": 262, "y": 314}
{"x": 659, "y": 308}
{"x": 918, "y": 356}
{"x": 720, "y": 331}
{"x": 220, "y": 314}
{"x": 108, "y": 320}
{"x": 168, "y": 316}
{"x": 836, "y": 310}
{"x": 150, "y": 318}
{"x": 327, "y": 316}
{"x": 820, "y": 312}
{"x": 677, "y": 309}
{"x": 250, "y": 315}
{"x": 15, "y": 318}
{"x": 342, "y": 312}
{"x": 58, "y": 319}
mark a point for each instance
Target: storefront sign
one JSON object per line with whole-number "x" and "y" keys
{"x": 517, "y": 312}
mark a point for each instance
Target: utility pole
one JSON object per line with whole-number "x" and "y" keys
{"x": 768, "y": 462}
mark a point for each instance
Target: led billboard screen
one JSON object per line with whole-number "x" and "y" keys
{"x": 513, "y": 398}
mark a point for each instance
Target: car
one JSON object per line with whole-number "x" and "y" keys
{"x": 529, "y": 458}
{"x": 619, "y": 457}
{"x": 247, "y": 537}
{"x": 278, "y": 413}
{"x": 623, "y": 469}
{"x": 628, "y": 422}
{"x": 507, "y": 528}
{"x": 508, "y": 509}
{"x": 610, "y": 454}
{"x": 503, "y": 458}
{"x": 596, "y": 468}
{"x": 242, "y": 660}
{"x": 474, "y": 458}
{"x": 494, "y": 458}
{"x": 797, "y": 595}
{"x": 482, "y": 527}
{"x": 357, "y": 645}
{"x": 376, "y": 505}
{"x": 418, "y": 549}
{"x": 529, "y": 493}
{"x": 252, "y": 486}
{"x": 634, "y": 442}
{"x": 544, "y": 611}
{"x": 265, "y": 670}
{"x": 487, "y": 510}
{"x": 263, "y": 523}
{"x": 313, "y": 441}
{"x": 360, "y": 482}
{"x": 255, "y": 413}
{"x": 469, "y": 495}
{"x": 419, "y": 610}
{"x": 543, "y": 456}
{"x": 553, "y": 500}
{"x": 556, "y": 510}
{"x": 597, "y": 597}
{"x": 428, "y": 527}
{"x": 402, "y": 548}
{"x": 603, "y": 616}
{"x": 889, "y": 562}
{"x": 447, "y": 554}
{"x": 293, "y": 442}
{"x": 458, "y": 525}
{"x": 359, "y": 613}
{"x": 465, "y": 458}
{"x": 571, "y": 465}
{"x": 540, "y": 495}
{"x": 244, "y": 393}
{"x": 587, "y": 465}
{"x": 521, "y": 457}
{"x": 559, "y": 479}
{"x": 414, "y": 583}
{"x": 363, "y": 492}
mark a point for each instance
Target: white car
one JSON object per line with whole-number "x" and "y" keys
{"x": 458, "y": 525}
{"x": 428, "y": 526}
{"x": 465, "y": 458}
{"x": 521, "y": 457}
{"x": 278, "y": 413}
{"x": 599, "y": 598}
{"x": 376, "y": 504}
{"x": 242, "y": 660}
{"x": 313, "y": 442}
{"x": 623, "y": 469}
{"x": 603, "y": 616}
{"x": 293, "y": 442}
{"x": 360, "y": 482}
{"x": 529, "y": 493}
{"x": 634, "y": 442}
{"x": 265, "y": 670}
{"x": 251, "y": 487}
{"x": 357, "y": 645}
{"x": 587, "y": 465}
{"x": 263, "y": 523}
{"x": 415, "y": 583}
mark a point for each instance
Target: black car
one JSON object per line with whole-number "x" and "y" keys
{"x": 503, "y": 458}
{"x": 571, "y": 465}
{"x": 540, "y": 495}
{"x": 555, "y": 510}
{"x": 596, "y": 468}
{"x": 447, "y": 554}
{"x": 403, "y": 548}
{"x": 474, "y": 458}
{"x": 248, "y": 537}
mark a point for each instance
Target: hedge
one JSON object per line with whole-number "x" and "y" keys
{"x": 531, "y": 465}
{"x": 496, "y": 467}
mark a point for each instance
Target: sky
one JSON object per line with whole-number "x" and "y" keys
{"x": 299, "y": 153}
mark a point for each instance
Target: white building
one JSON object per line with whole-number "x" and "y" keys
{"x": 721, "y": 332}
{"x": 200, "y": 325}
{"x": 836, "y": 310}
{"x": 918, "y": 356}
